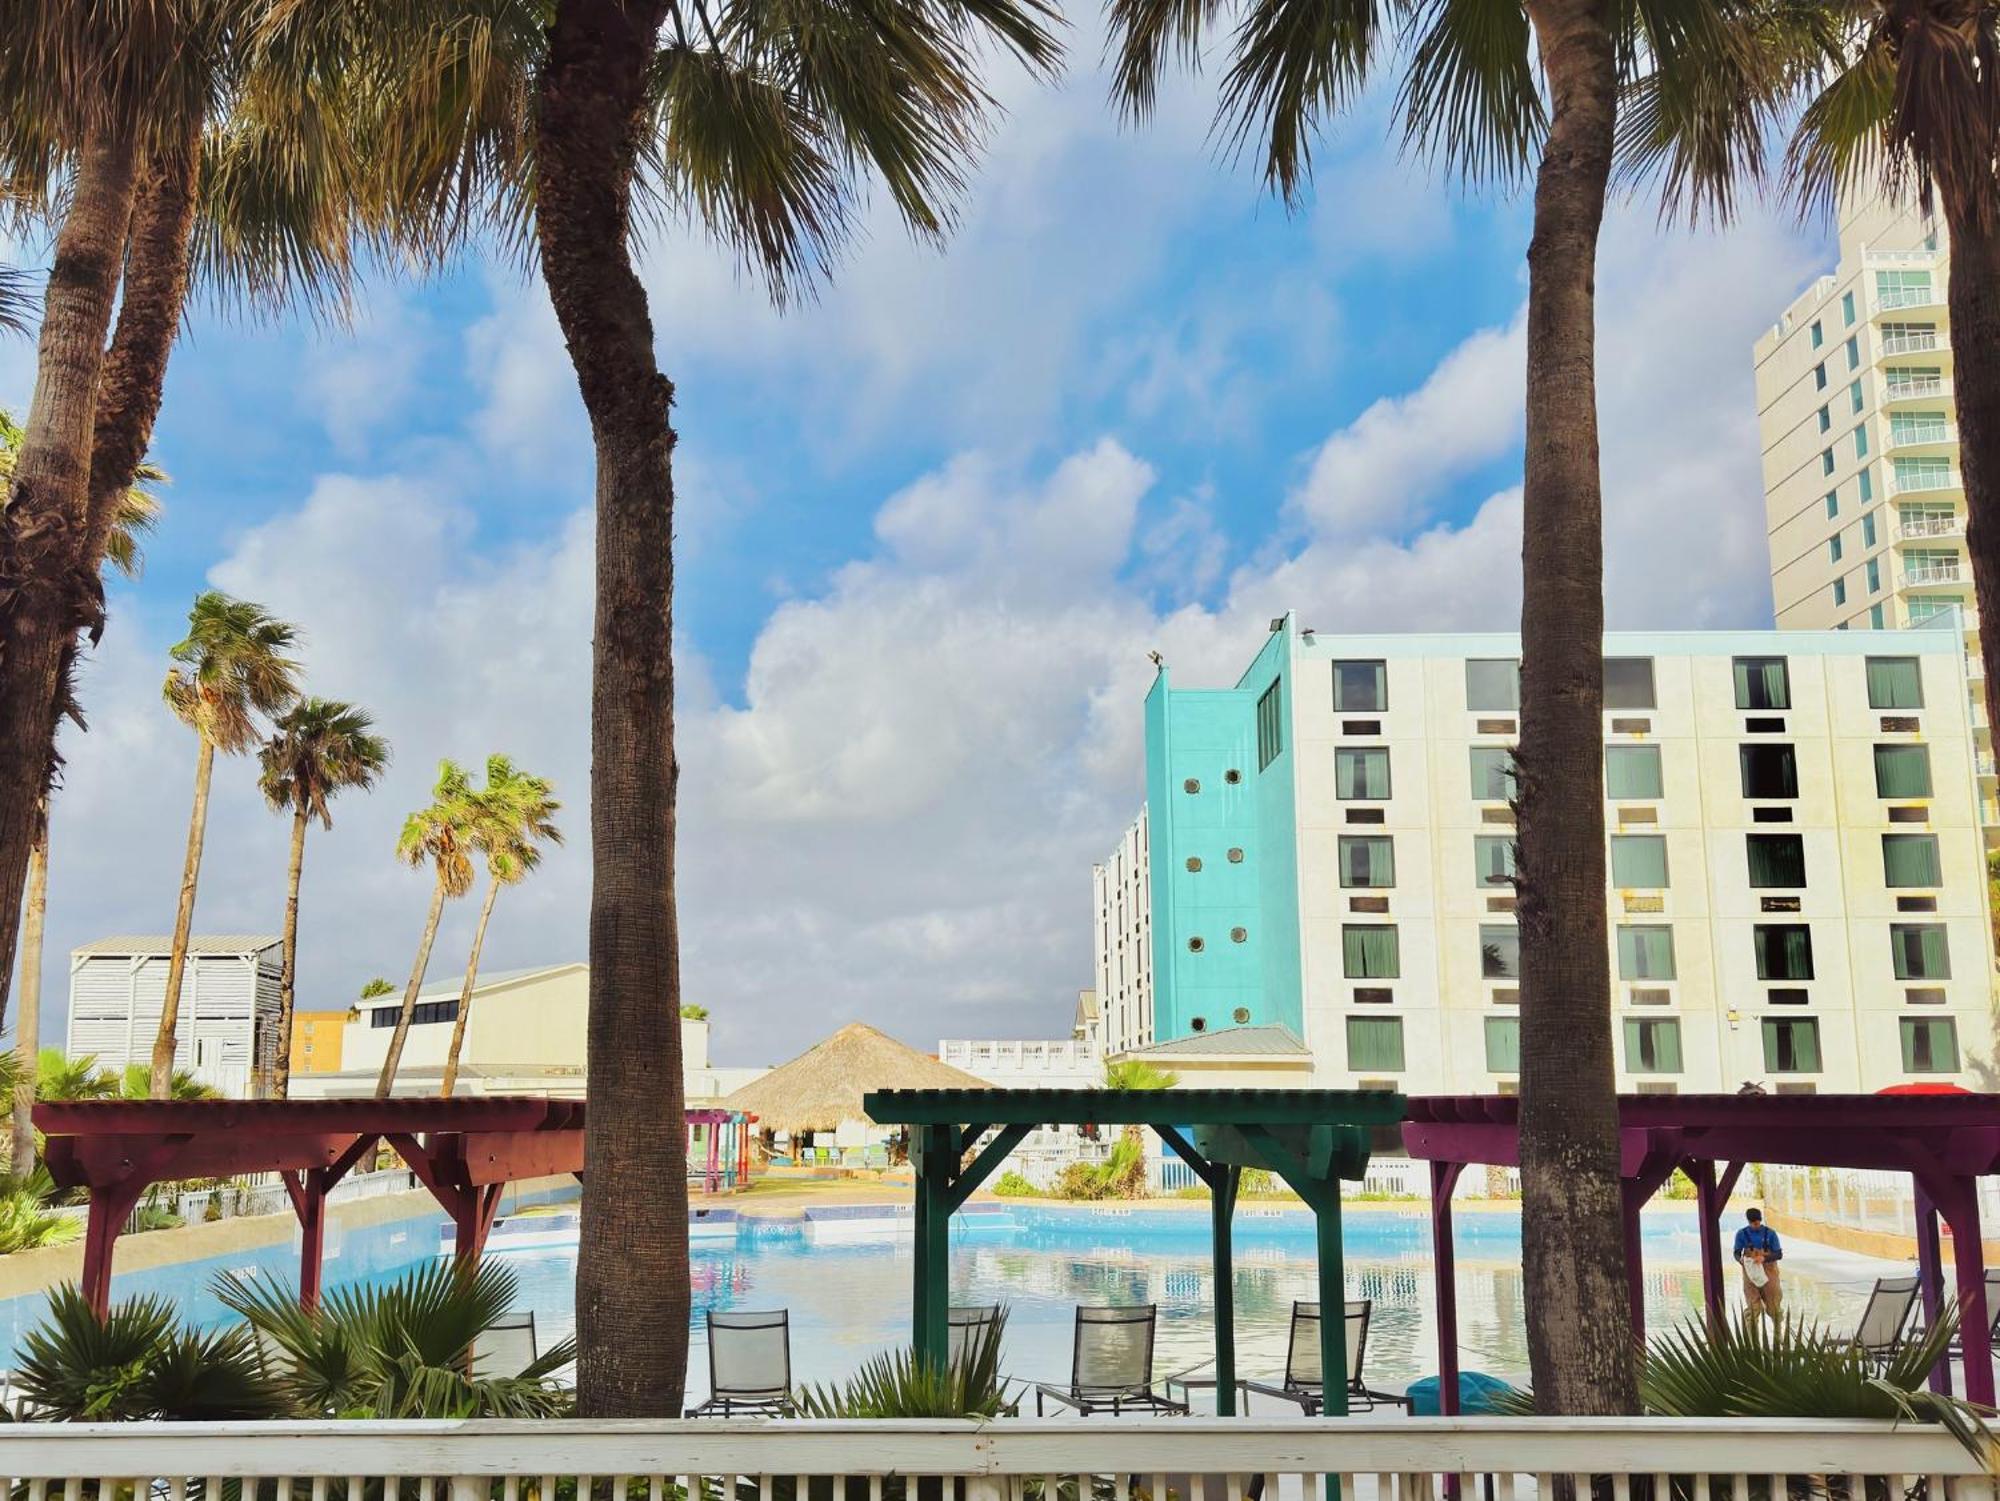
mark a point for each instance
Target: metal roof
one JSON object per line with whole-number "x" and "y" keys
{"x": 454, "y": 984}
{"x": 1143, "y": 1107}
{"x": 199, "y": 943}
{"x": 1244, "y": 1042}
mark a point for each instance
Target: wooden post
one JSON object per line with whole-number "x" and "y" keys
{"x": 1332, "y": 1300}
{"x": 1930, "y": 1277}
{"x": 1222, "y": 1209}
{"x": 936, "y": 1161}
{"x": 1958, "y": 1199}
{"x": 110, "y": 1207}
{"x": 1444, "y": 1271}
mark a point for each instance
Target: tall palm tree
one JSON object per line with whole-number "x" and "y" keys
{"x": 441, "y": 836}
{"x": 514, "y": 813}
{"x": 233, "y": 667}
{"x": 164, "y": 150}
{"x": 138, "y": 513}
{"x": 1497, "y": 90}
{"x": 320, "y": 748}
{"x": 759, "y": 122}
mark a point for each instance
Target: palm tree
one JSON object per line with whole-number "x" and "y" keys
{"x": 441, "y": 836}
{"x": 61, "y": 1077}
{"x": 1135, "y": 1073}
{"x": 233, "y": 666}
{"x": 513, "y": 812}
{"x": 761, "y": 123}
{"x": 136, "y": 1083}
{"x": 1494, "y": 91}
{"x": 320, "y": 748}
{"x": 137, "y": 513}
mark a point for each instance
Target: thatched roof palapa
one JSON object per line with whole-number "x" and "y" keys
{"x": 823, "y": 1086}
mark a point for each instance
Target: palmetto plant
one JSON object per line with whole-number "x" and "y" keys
{"x": 26, "y": 1221}
{"x": 1499, "y": 90}
{"x": 318, "y": 749}
{"x": 233, "y": 668}
{"x": 1136, "y": 1073}
{"x": 61, "y": 1077}
{"x": 895, "y": 1384}
{"x": 401, "y": 1351}
{"x": 138, "y": 1362}
{"x": 441, "y": 836}
{"x": 548, "y": 124}
{"x": 515, "y": 815}
{"x": 137, "y": 1084}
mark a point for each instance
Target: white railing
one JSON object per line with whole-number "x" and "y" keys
{"x": 1931, "y": 526}
{"x": 1922, "y": 479}
{"x": 1915, "y": 390}
{"x": 1911, "y": 343}
{"x": 1188, "y": 1459}
{"x": 1860, "y": 1198}
{"x": 1905, "y": 434}
{"x": 1937, "y": 573}
{"x": 1908, "y": 297}
{"x": 1014, "y": 1056}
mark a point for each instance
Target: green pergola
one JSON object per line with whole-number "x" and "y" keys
{"x": 1311, "y": 1138}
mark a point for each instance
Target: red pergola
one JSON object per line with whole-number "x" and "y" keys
{"x": 465, "y": 1151}
{"x": 1945, "y": 1142}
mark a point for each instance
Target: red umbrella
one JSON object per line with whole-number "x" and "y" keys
{"x": 1924, "y": 1089}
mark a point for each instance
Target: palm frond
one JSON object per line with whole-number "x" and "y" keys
{"x": 1144, "y": 37}
{"x": 1469, "y": 97}
{"x": 1296, "y": 62}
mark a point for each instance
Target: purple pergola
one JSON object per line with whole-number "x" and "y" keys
{"x": 1945, "y": 1142}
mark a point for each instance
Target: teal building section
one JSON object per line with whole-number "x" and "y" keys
{"x": 1223, "y": 852}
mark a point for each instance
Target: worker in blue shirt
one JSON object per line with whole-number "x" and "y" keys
{"x": 1757, "y": 1247}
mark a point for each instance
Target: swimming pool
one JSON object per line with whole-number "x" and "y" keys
{"x": 848, "y": 1301}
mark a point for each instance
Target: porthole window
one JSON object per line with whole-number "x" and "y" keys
{"x": 1191, "y": 785}
{"x": 1195, "y": 945}
{"x": 1232, "y": 776}
{"x": 1240, "y": 1015}
{"x": 1237, "y": 935}
{"x": 1194, "y": 862}
{"x": 1236, "y": 857}
{"x": 1197, "y": 1024}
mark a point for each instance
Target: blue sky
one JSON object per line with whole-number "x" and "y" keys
{"x": 931, "y": 524}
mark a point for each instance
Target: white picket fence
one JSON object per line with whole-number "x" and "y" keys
{"x": 1394, "y": 1459}
{"x": 1863, "y": 1199}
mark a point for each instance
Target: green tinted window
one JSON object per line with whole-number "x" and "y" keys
{"x": 1632, "y": 771}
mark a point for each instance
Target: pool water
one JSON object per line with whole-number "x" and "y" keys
{"x": 849, "y": 1301}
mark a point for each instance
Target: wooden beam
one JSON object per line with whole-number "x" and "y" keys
{"x": 981, "y": 1168}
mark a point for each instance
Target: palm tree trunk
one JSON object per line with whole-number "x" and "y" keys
{"x": 281, "y": 1072}
{"x": 1572, "y": 1224}
{"x": 46, "y": 590}
{"x": 1975, "y": 340}
{"x": 162, "y": 1086}
{"x": 465, "y": 994}
{"x": 393, "y": 1059}
{"x": 632, "y": 1269}
{"x": 28, "y": 1027}
{"x": 149, "y": 319}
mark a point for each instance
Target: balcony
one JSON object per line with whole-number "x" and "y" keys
{"x": 1934, "y": 342}
{"x": 1909, "y": 297}
{"x": 1911, "y": 437}
{"x": 1923, "y": 388}
{"x": 1931, "y": 575}
{"x": 1924, "y": 528}
{"x": 1922, "y": 482}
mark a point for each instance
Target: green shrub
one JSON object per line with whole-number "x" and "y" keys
{"x": 1013, "y": 1186}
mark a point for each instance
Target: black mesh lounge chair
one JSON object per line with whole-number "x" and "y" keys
{"x": 1886, "y": 1317}
{"x": 749, "y": 1365}
{"x": 967, "y": 1327}
{"x": 1992, "y": 1281}
{"x": 1303, "y": 1383}
{"x": 508, "y": 1347}
{"x": 1111, "y": 1369}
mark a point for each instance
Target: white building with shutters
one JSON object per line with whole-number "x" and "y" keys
{"x": 228, "y": 1028}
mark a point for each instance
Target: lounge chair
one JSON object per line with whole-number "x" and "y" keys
{"x": 1111, "y": 1367}
{"x": 749, "y": 1365}
{"x": 967, "y": 1327}
{"x": 507, "y": 1347}
{"x": 1886, "y": 1318}
{"x": 1957, "y": 1350}
{"x": 1303, "y": 1383}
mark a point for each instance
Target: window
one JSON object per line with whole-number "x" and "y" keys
{"x": 1763, "y": 683}
{"x": 1921, "y": 474}
{"x": 1645, "y": 952}
{"x": 1833, "y": 548}
{"x": 1902, "y": 338}
{"x": 1860, "y": 441}
{"x": 1639, "y": 861}
{"x": 423, "y": 1013}
{"x": 1628, "y": 683}
{"x": 1867, "y": 486}
{"x": 1868, "y": 530}
{"x": 1930, "y": 1045}
{"x": 1847, "y": 310}
{"x": 1361, "y": 772}
{"x": 1919, "y": 951}
{"x": 1370, "y": 951}
{"x": 1776, "y": 859}
{"x": 1375, "y": 1044}
{"x": 1503, "y": 1044}
{"x": 1768, "y": 770}
{"x": 1632, "y": 771}
{"x": 1919, "y": 427}
{"x": 1874, "y": 572}
{"x": 1923, "y": 607}
{"x": 1493, "y": 855}
{"x": 1791, "y": 1045}
{"x": 1784, "y": 951}
{"x": 1493, "y": 684}
{"x": 1825, "y": 419}
{"x": 1818, "y": 334}
{"x": 1875, "y": 617}
{"x": 1652, "y": 1045}
{"x": 1826, "y": 461}
{"x": 1902, "y": 771}
{"x": 1360, "y": 687}
{"x": 1499, "y": 951}
{"x": 1367, "y": 860}
{"x": 1832, "y": 504}
{"x": 1911, "y": 860}
{"x": 1492, "y": 773}
{"x": 1894, "y": 289}
{"x": 1895, "y": 683}
{"x": 1840, "y": 592}
{"x": 1854, "y": 352}
{"x": 1854, "y": 397}
{"x": 1915, "y": 380}
{"x": 1819, "y": 376}
{"x": 1271, "y": 724}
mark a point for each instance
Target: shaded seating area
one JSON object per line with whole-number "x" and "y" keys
{"x": 1945, "y": 1142}
{"x": 1304, "y": 1384}
{"x": 1111, "y": 1365}
{"x": 718, "y": 1149}
{"x": 749, "y": 1365}
{"x": 1310, "y": 1138}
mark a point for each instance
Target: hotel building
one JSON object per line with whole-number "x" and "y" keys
{"x": 1798, "y": 894}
